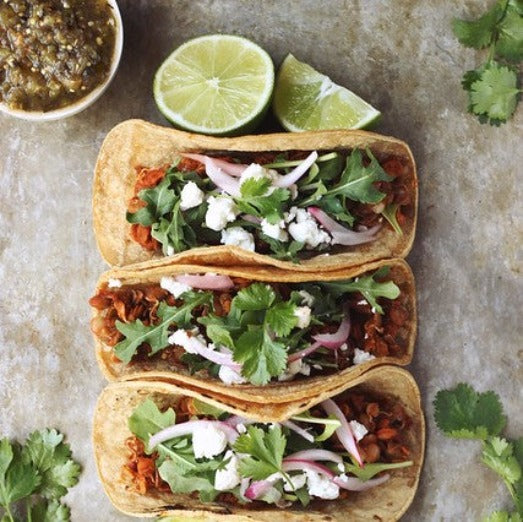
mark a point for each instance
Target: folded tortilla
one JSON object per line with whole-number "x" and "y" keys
{"x": 135, "y": 143}
{"x": 386, "y": 502}
{"x": 274, "y": 391}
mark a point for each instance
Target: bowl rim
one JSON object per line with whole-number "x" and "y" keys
{"x": 86, "y": 101}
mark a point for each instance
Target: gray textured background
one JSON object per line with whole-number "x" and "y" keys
{"x": 399, "y": 55}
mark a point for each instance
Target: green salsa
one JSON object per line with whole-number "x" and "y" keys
{"x": 53, "y": 52}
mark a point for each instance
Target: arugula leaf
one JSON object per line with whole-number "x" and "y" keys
{"x": 494, "y": 95}
{"x": 335, "y": 207}
{"x": 498, "y": 455}
{"x": 503, "y": 516}
{"x": 147, "y": 419}
{"x": 280, "y": 250}
{"x": 371, "y": 469}
{"x": 207, "y": 409}
{"x": 368, "y": 287}
{"x": 281, "y": 319}
{"x": 390, "y": 214}
{"x": 258, "y": 296}
{"x": 156, "y": 335}
{"x": 478, "y": 33}
{"x": 265, "y": 448}
{"x": 50, "y": 511}
{"x": 357, "y": 181}
{"x": 159, "y": 200}
{"x": 170, "y": 472}
{"x": 464, "y": 413}
{"x": 52, "y": 460}
{"x": 510, "y": 36}
{"x": 257, "y": 200}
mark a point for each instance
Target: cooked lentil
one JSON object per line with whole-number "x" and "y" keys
{"x": 53, "y": 52}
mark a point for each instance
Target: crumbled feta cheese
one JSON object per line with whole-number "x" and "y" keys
{"x": 256, "y": 171}
{"x": 238, "y": 237}
{"x": 373, "y": 309}
{"x": 276, "y": 231}
{"x": 114, "y": 283}
{"x": 359, "y": 430}
{"x": 306, "y": 298}
{"x": 306, "y": 230}
{"x": 303, "y": 313}
{"x": 191, "y": 196}
{"x": 321, "y": 487}
{"x": 221, "y": 210}
{"x": 362, "y": 302}
{"x": 208, "y": 440}
{"x": 174, "y": 287}
{"x": 190, "y": 344}
{"x": 344, "y": 347}
{"x": 228, "y": 477}
{"x": 341, "y": 466}
{"x": 229, "y": 376}
{"x": 361, "y": 356}
{"x": 170, "y": 250}
{"x": 240, "y": 428}
{"x": 289, "y": 216}
{"x": 294, "y": 368}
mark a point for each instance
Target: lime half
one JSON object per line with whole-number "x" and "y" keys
{"x": 215, "y": 84}
{"x": 305, "y": 99}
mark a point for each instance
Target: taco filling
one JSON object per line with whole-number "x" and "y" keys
{"x": 290, "y": 205}
{"x": 242, "y": 331}
{"x": 343, "y": 445}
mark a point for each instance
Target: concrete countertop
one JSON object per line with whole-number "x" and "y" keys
{"x": 399, "y": 55}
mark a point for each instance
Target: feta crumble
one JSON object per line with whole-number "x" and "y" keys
{"x": 190, "y": 344}
{"x": 191, "y": 196}
{"x": 359, "y": 430}
{"x": 306, "y": 230}
{"x": 228, "y": 477}
{"x": 361, "y": 356}
{"x": 303, "y": 313}
{"x": 321, "y": 487}
{"x": 114, "y": 283}
{"x": 208, "y": 440}
{"x": 174, "y": 287}
{"x": 255, "y": 171}
{"x": 294, "y": 368}
{"x": 221, "y": 210}
{"x": 239, "y": 237}
{"x": 276, "y": 231}
{"x": 229, "y": 376}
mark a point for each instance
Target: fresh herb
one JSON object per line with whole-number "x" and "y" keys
{"x": 493, "y": 88}
{"x": 390, "y": 213}
{"x": 331, "y": 424}
{"x": 465, "y": 413}
{"x": 37, "y": 474}
{"x": 371, "y": 469}
{"x": 156, "y": 335}
{"x": 147, "y": 419}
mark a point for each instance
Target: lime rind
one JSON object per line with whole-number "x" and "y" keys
{"x": 202, "y": 88}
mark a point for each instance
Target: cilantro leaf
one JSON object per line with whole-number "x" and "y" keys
{"x": 494, "y": 95}
{"x": 478, "y": 33}
{"x": 518, "y": 486}
{"x": 503, "y": 516}
{"x": 169, "y": 471}
{"x": 371, "y": 469}
{"x": 257, "y": 200}
{"x": 357, "y": 181}
{"x": 159, "y": 200}
{"x": 510, "y": 36}
{"x": 368, "y": 287}
{"x": 265, "y": 450}
{"x": 147, "y": 419}
{"x": 258, "y": 296}
{"x": 498, "y": 455}
{"x": 156, "y": 335}
{"x": 52, "y": 459}
{"x": 281, "y": 319}
{"x": 50, "y": 511}
{"x": 464, "y": 413}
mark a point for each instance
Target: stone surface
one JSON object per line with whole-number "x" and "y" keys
{"x": 402, "y": 57}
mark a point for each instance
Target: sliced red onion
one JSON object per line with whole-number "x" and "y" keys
{"x": 335, "y": 340}
{"x": 206, "y": 282}
{"x": 303, "y": 465}
{"x": 233, "y": 169}
{"x": 234, "y": 420}
{"x": 222, "y": 180}
{"x": 244, "y": 484}
{"x": 251, "y": 219}
{"x": 344, "y": 432}
{"x": 303, "y": 353}
{"x": 187, "y": 428}
{"x": 258, "y": 488}
{"x": 355, "y": 484}
{"x": 223, "y": 359}
{"x": 340, "y": 234}
{"x": 316, "y": 454}
{"x": 295, "y": 174}
{"x": 299, "y": 430}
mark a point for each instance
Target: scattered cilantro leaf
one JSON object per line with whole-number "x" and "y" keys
{"x": 147, "y": 419}
{"x": 478, "y": 33}
{"x": 498, "y": 455}
{"x": 368, "y": 287}
{"x": 518, "y": 486}
{"x": 503, "y": 516}
{"x": 464, "y": 413}
{"x": 159, "y": 200}
{"x": 265, "y": 450}
{"x": 50, "y": 511}
{"x": 510, "y": 37}
{"x": 156, "y": 335}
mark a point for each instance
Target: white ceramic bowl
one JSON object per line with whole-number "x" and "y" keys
{"x": 85, "y": 102}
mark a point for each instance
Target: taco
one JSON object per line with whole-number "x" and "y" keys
{"x": 259, "y": 334}
{"x": 354, "y": 455}
{"x": 305, "y": 201}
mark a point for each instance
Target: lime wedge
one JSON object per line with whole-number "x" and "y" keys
{"x": 215, "y": 84}
{"x": 305, "y": 99}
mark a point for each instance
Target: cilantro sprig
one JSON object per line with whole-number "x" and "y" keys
{"x": 493, "y": 88}
{"x": 464, "y": 413}
{"x": 37, "y": 475}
